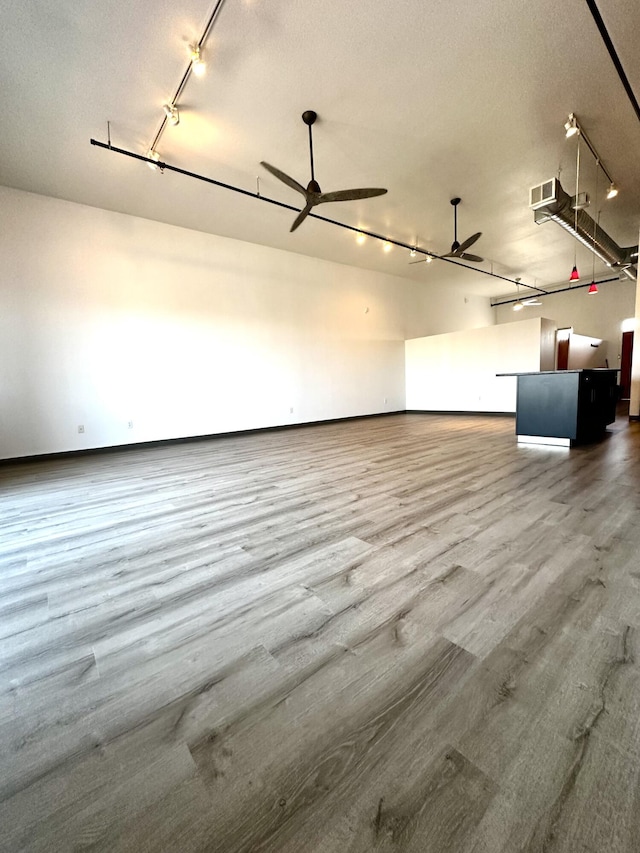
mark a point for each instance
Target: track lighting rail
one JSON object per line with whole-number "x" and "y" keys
{"x": 412, "y": 248}
{"x": 573, "y": 120}
{"x": 560, "y": 290}
{"x": 183, "y": 82}
{"x": 606, "y": 38}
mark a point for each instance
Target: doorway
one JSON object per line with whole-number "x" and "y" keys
{"x": 625, "y": 365}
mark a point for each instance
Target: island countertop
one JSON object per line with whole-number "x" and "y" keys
{"x": 552, "y": 372}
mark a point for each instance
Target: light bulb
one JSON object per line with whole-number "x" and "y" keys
{"x": 387, "y": 247}
{"x": 198, "y": 65}
{"x": 360, "y": 239}
{"x": 412, "y": 254}
{"x": 152, "y": 155}
{"x": 429, "y": 259}
{"x": 571, "y": 126}
{"x": 518, "y": 306}
{"x": 172, "y": 114}
{"x": 612, "y": 192}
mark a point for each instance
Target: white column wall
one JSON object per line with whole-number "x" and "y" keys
{"x": 456, "y": 372}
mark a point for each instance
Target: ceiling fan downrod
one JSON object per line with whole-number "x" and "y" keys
{"x": 455, "y": 202}
{"x": 309, "y": 118}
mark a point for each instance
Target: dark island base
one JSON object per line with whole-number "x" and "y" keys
{"x": 565, "y": 407}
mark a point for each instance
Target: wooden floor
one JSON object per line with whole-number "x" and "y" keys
{"x": 398, "y": 634}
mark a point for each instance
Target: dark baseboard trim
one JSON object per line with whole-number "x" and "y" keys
{"x": 634, "y": 418}
{"x": 471, "y": 414}
{"x": 162, "y": 442}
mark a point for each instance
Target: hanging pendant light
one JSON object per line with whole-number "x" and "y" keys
{"x": 575, "y": 275}
{"x": 593, "y": 287}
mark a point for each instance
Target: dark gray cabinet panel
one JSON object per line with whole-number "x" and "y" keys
{"x": 573, "y": 404}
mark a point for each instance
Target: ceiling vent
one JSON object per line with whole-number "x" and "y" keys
{"x": 543, "y": 194}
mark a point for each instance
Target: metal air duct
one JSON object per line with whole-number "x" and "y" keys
{"x": 551, "y": 203}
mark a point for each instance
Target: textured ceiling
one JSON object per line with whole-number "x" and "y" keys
{"x": 429, "y": 99}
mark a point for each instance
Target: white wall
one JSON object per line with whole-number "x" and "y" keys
{"x": 599, "y": 315}
{"x": 585, "y": 352}
{"x": 107, "y": 318}
{"x": 457, "y": 371}
{"x": 440, "y": 308}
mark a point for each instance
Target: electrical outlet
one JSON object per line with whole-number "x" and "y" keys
{"x": 129, "y": 424}
{"x": 80, "y": 427}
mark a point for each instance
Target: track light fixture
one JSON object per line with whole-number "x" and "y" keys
{"x": 172, "y": 114}
{"x": 198, "y": 65}
{"x": 571, "y": 126}
{"x": 152, "y": 155}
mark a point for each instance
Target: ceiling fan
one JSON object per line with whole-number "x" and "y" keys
{"x": 458, "y": 250}
{"x": 313, "y": 194}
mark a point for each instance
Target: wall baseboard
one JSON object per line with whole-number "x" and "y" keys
{"x": 161, "y": 442}
{"x": 453, "y": 412}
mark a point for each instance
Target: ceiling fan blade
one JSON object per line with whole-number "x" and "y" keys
{"x": 284, "y": 178}
{"x": 468, "y": 243}
{"x": 350, "y": 195}
{"x": 301, "y": 217}
{"x": 466, "y": 257}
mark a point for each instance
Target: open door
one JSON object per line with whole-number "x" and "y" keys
{"x": 625, "y": 365}
{"x": 562, "y": 348}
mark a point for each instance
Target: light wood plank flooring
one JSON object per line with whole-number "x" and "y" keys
{"x": 404, "y": 633}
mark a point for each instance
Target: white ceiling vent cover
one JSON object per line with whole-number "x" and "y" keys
{"x": 543, "y": 194}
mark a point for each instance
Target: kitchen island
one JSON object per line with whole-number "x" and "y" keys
{"x": 565, "y": 407}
